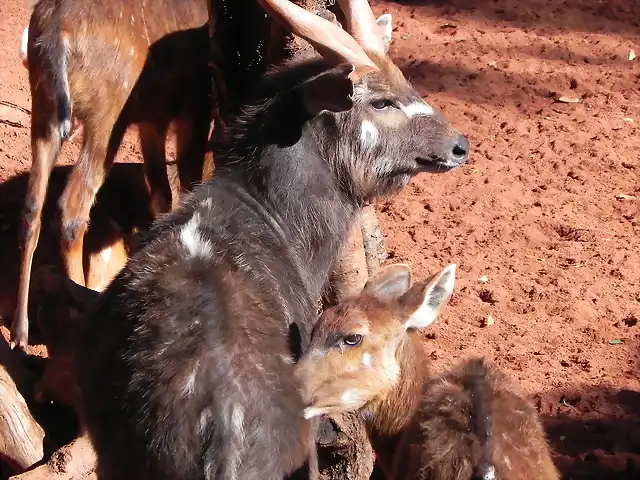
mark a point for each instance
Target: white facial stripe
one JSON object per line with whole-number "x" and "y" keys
{"x": 366, "y": 359}
{"x": 368, "y": 134}
{"x": 417, "y": 109}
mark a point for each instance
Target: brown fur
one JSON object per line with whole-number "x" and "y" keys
{"x": 110, "y": 65}
{"x": 461, "y": 425}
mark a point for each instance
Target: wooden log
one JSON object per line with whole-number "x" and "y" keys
{"x": 373, "y": 240}
{"x": 75, "y": 461}
{"x": 21, "y": 436}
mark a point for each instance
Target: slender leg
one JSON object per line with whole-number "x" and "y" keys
{"x": 45, "y": 147}
{"x": 152, "y": 141}
{"x": 97, "y": 155}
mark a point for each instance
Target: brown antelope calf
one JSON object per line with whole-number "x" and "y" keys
{"x": 110, "y": 65}
{"x": 469, "y": 423}
{"x": 193, "y": 374}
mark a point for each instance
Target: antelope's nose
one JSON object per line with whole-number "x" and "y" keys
{"x": 460, "y": 150}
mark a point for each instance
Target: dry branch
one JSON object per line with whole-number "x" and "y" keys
{"x": 21, "y": 436}
{"x": 76, "y": 461}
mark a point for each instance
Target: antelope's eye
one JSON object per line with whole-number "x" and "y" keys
{"x": 353, "y": 339}
{"x": 381, "y": 103}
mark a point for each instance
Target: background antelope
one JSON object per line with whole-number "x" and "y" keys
{"x": 110, "y": 65}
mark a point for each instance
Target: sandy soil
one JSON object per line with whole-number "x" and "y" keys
{"x": 543, "y": 222}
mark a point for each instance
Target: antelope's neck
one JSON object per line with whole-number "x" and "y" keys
{"x": 296, "y": 188}
{"x": 387, "y": 419}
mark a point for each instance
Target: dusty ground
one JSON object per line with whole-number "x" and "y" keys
{"x": 543, "y": 222}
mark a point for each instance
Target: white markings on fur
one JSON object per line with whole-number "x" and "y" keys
{"x": 417, "y": 109}
{"x": 311, "y": 412}
{"x": 106, "y": 254}
{"x": 190, "y": 384}
{"x": 23, "y": 46}
{"x": 65, "y": 125}
{"x": 205, "y": 416}
{"x": 288, "y": 359}
{"x": 207, "y": 203}
{"x": 434, "y": 298}
{"x": 368, "y": 134}
{"x": 350, "y": 397}
{"x": 192, "y": 239}
{"x": 237, "y": 421}
{"x": 237, "y": 432}
{"x": 490, "y": 474}
{"x": 366, "y": 359}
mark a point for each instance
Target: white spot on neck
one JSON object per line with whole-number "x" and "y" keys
{"x": 191, "y": 238}
{"x": 207, "y": 203}
{"x": 368, "y": 134}
{"x": 366, "y": 359}
{"x": 417, "y": 109}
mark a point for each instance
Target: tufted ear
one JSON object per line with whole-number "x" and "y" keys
{"x": 393, "y": 281}
{"x": 384, "y": 22}
{"x": 424, "y": 302}
{"x": 331, "y": 90}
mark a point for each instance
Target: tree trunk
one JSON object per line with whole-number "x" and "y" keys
{"x": 373, "y": 241}
{"x": 21, "y": 436}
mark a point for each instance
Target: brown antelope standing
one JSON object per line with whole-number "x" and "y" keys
{"x": 110, "y": 65}
{"x": 193, "y": 374}
{"x": 469, "y": 423}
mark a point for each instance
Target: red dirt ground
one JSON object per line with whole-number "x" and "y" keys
{"x": 545, "y": 243}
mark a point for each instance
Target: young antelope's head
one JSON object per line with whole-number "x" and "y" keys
{"x": 354, "y": 356}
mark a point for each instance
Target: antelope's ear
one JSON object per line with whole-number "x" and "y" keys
{"x": 393, "y": 281}
{"x": 384, "y": 22}
{"x": 424, "y": 302}
{"x": 331, "y": 90}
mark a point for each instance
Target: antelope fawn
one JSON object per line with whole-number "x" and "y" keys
{"x": 469, "y": 423}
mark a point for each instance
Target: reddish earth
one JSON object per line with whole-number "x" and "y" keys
{"x": 543, "y": 222}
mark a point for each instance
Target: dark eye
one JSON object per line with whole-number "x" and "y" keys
{"x": 381, "y": 104}
{"x": 353, "y": 339}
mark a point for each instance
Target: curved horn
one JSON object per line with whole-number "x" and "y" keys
{"x": 331, "y": 41}
{"x": 361, "y": 23}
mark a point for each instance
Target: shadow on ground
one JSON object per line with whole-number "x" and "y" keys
{"x": 594, "y": 431}
{"x": 121, "y": 205}
{"x": 592, "y": 16}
